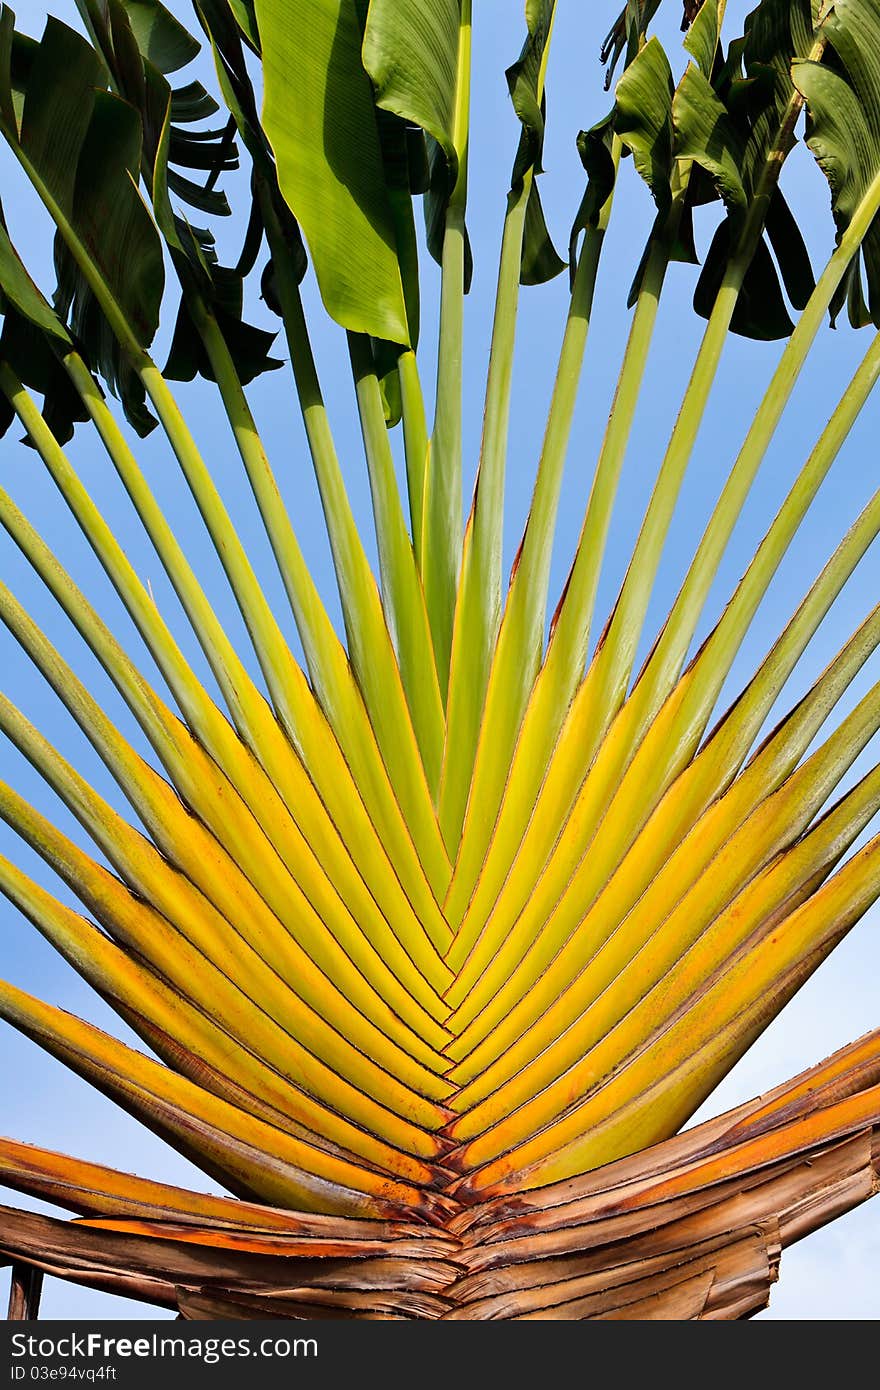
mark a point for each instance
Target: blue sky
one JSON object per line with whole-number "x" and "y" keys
{"x": 828, "y": 1276}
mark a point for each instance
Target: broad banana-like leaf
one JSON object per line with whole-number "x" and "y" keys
{"x": 626, "y": 34}
{"x": 30, "y": 328}
{"x": 161, "y": 38}
{"x": 416, "y": 55}
{"x": 707, "y": 135}
{"x": 758, "y": 97}
{"x": 643, "y": 118}
{"x": 21, "y": 294}
{"x": 525, "y": 81}
{"x": 81, "y": 147}
{"x": 844, "y": 135}
{"x": 329, "y": 159}
{"x": 140, "y": 50}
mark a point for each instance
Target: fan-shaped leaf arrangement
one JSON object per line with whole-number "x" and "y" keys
{"x": 437, "y": 944}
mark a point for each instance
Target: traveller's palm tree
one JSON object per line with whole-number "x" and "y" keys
{"x": 436, "y": 949}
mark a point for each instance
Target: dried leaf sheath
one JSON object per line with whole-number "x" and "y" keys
{"x": 692, "y": 1228}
